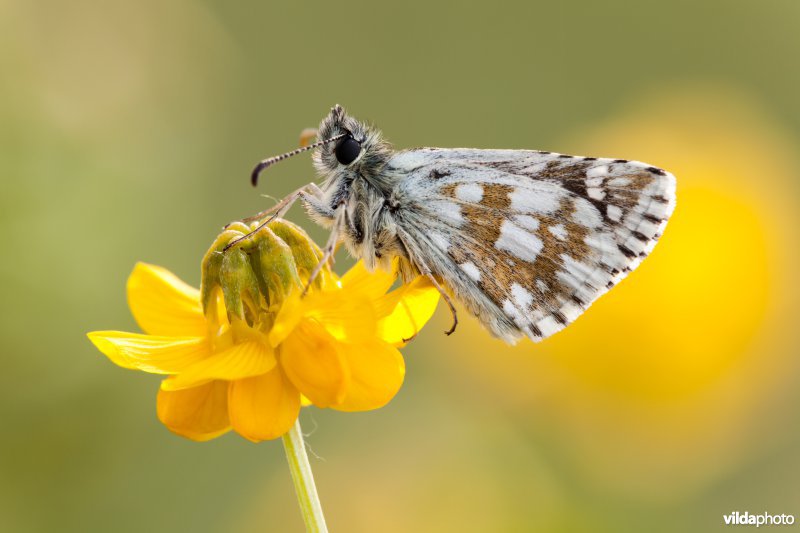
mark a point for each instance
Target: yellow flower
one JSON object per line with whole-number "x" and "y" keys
{"x": 247, "y": 350}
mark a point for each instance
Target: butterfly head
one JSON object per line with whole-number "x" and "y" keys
{"x": 359, "y": 148}
{"x": 345, "y": 148}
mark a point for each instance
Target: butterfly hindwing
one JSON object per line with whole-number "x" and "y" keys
{"x": 528, "y": 240}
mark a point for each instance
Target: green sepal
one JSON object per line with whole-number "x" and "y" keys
{"x": 275, "y": 266}
{"x": 212, "y": 264}
{"x": 239, "y": 284}
{"x": 307, "y": 255}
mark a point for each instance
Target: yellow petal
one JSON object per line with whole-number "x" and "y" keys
{"x": 404, "y": 311}
{"x": 372, "y": 285}
{"x": 150, "y": 353}
{"x": 376, "y": 374}
{"x": 263, "y": 407}
{"x": 313, "y": 364}
{"x": 244, "y": 360}
{"x": 344, "y": 315}
{"x": 200, "y": 413}
{"x": 162, "y": 304}
{"x": 289, "y": 315}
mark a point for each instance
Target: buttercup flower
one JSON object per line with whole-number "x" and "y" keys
{"x": 248, "y": 349}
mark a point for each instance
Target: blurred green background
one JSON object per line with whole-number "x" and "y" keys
{"x": 127, "y": 131}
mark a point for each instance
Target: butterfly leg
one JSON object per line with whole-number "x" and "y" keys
{"x": 311, "y": 189}
{"x": 276, "y": 211}
{"x": 425, "y": 270}
{"x": 446, "y": 297}
{"x": 330, "y": 246}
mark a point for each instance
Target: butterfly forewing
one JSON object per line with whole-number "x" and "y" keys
{"x": 528, "y": 240}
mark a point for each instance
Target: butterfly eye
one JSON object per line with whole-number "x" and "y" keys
{"x": 347, "y": 150}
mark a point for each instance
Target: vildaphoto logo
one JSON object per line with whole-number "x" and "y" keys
{"x": 765, "y": 519}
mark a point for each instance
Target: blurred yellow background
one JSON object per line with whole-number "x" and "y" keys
{"x": 128, "y": 131}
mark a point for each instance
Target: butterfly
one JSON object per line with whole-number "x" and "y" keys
{"x": 525, "y": 240}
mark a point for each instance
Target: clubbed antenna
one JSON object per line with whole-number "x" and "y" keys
{"x": 267, "y": 162}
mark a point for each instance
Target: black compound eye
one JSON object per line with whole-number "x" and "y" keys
{"x": 347, "y": 150}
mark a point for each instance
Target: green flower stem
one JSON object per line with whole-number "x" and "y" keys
{"x": 303, "y": 480}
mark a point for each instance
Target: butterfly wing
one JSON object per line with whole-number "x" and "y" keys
{"x": 528, "y": 240}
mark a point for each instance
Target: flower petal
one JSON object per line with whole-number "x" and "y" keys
{"x": 162, "y": 304}
{"x": 244, "y": 360}
{"x": 263, "y": 407}
{"x": 199, "y": 413}
{"x": 404, "y": 311}
{"x": 151, "y": 353}
{"x": 289, "y": 315}
{"x": 372, "y": 285}
{"x": 376, "y": 374}
{"x": 345, "y": 316}
{"x": 310, "y": 358}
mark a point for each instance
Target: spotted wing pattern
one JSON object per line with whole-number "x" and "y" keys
{"x": 528, "y": 240}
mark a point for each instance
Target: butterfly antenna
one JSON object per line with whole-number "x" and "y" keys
{"x": 272, "y": 160}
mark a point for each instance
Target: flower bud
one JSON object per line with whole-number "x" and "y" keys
{"x": 260, "y": 271}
